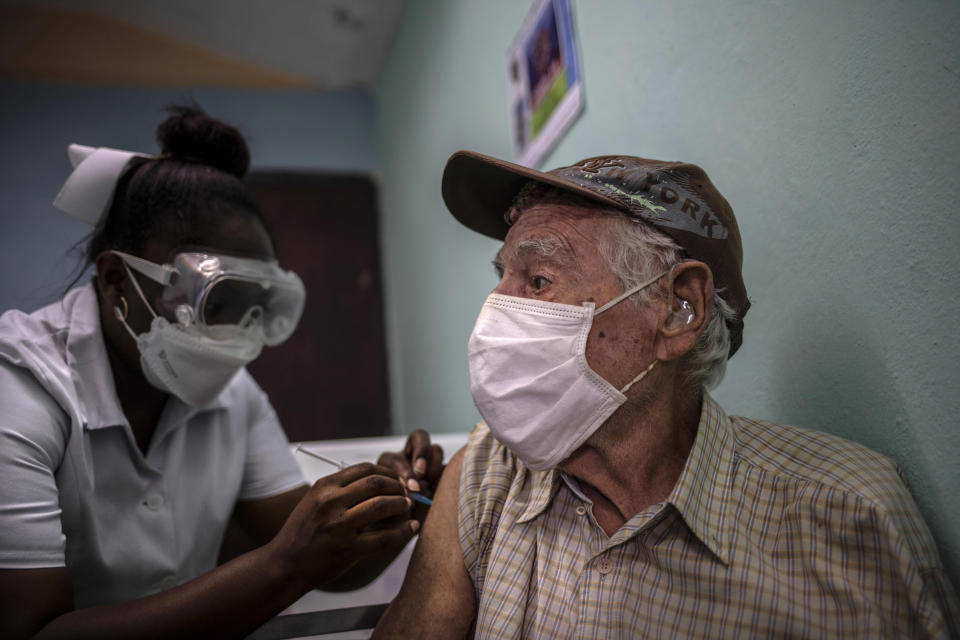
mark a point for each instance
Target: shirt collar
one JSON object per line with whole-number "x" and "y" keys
{"x": 545, "y": 485}
{"x": 700, "y": 494}
{"x": 88, "y": 362}
{"x": 703, "y": 490}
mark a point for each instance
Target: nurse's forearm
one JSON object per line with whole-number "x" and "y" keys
{"x": 230, "y": 602}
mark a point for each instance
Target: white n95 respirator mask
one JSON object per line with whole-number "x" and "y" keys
{"x": 191, "y": 366}
{"x": 226, "y": 310}
{"x": 530, "y": 378}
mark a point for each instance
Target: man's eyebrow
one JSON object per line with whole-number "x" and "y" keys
{"x": 547, "y": 247}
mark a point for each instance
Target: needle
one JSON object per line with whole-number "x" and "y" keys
{"x": 340, "y": 465}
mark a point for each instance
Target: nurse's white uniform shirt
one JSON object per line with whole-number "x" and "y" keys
{"x": 76, "y": 491}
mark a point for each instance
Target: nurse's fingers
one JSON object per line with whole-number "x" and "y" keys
{"x": 435, "y": 467}
{"x": 369, "y": 487}
{"x": 354, "y": 472}
{"x": 375, "y": 509}
{"x": 419, "y": 460}
{"x": 387, "y": 540}
{"x": 401, "y": 465}
{"x": 417, "y": 451}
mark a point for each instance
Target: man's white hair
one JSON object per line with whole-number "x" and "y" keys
{"x": 636, "y": 252}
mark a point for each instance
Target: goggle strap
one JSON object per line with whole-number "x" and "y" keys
{"x": 136, "y": 285}
{"x": 161, "y": 273}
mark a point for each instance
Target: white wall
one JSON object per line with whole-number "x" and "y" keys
{"x": 290, "y": 129}
{"x": 831, "y": 127}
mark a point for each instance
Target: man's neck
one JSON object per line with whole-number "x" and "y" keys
{"x": 636, "y": 457}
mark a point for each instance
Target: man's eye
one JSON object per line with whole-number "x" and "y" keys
{"x": 539, "y": 282}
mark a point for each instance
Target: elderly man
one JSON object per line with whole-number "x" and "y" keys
{"x": 606, "y": 494}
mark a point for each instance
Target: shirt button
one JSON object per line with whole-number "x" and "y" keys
{"x": 581, "y": 510}
{"x": 168, "y": 583}
{"x": 154, "y": 501}
{"x": 604, "y": 566}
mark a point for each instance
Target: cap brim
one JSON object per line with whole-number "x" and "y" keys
{"x": 478, "y": 189}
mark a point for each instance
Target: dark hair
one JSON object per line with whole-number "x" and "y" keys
{"x": 182, "y": 195}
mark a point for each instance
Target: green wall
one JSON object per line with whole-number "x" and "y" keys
{"x": 832, "y": 128}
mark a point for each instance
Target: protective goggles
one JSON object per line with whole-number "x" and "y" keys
{"x": 211, "y": 291}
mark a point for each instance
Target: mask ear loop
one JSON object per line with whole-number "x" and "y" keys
{"x": 136, "y": 285}
{"x": 623, "y": 296}
{"x": 639, "y": 377}
{"x": 122, "y": 315}
{"x": 629, "y": 292}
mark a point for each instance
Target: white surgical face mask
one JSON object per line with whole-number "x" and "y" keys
{"x": 188, "y": 364}
{"x": 530, "y": 378}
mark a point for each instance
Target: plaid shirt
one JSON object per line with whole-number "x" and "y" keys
{"x": 770, "y": 531}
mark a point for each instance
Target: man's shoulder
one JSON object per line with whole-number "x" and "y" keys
{"x": 494, "y": 480}
{"x": 831, "y": 482}
{"x": 814, "y": 459}
{"x": 487, "y": 464}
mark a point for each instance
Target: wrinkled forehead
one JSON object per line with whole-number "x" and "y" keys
{"x": 559, "y": 220}
{"x": 563, "y": 233}
{"x": 544, "y": 247}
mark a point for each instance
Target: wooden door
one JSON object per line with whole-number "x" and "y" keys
{"x": 329, "y": 380}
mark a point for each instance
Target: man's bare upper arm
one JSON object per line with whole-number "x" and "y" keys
{"x": 437, "y": 599}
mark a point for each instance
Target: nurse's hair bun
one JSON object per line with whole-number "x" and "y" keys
{"x": 190, "y": 135}
{"x": 182, "y": 196}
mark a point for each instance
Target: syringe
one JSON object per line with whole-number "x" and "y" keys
{"x": 418, "y": 497}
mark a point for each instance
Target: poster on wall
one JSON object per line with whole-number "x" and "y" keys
{"x": 543, "y": 77}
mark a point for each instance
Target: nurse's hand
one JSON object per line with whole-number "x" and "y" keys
{"x": 419, "y": 466}
{"x": 345, "y": 519}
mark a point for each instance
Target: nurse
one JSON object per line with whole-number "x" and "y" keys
{"x": 130, "y": 429}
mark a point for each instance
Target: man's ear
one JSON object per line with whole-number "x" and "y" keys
{"x": 689, "y": 301}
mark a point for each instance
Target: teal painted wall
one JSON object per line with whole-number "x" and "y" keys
{"x": 832, "y": 128}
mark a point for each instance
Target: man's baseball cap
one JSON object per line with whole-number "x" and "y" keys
{"x": 675, "y": 197}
